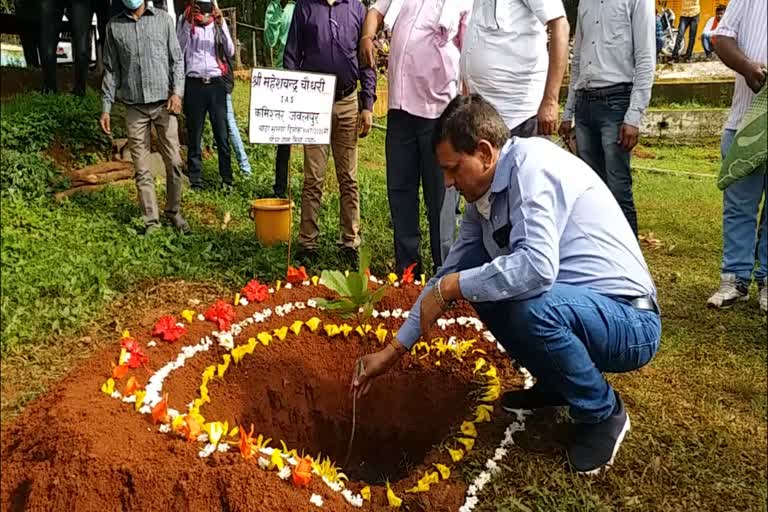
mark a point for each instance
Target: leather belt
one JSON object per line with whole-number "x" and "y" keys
{"x": 646, "y": 303}
{"x": 205, "y": 80}
{"x": 343, "y": 93}
{"x": 604, "y": 92}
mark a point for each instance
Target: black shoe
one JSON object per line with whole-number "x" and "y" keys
{"x": 305, "y": 256}
{"x": 350, "y": 256}
{"x": 197, "y": 187}
{"x": 534, "y": 398}
{"x": 179, "y": 223}
{"x": 594, "y": 445}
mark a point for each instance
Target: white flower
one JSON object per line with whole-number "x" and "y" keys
{"x": 335, "y": 486}
{"x": 299, "y": 305}
{"x": 279, "y": 310}
{"x": 152, "y": 343}
{"x": 492, "y": 466}
{"x": 397, "y": 284}
{"x": 405, "y": 314}
{"x": 165, "y": 428}
{"x": 288, "y": 286}
{"x": 227, "y": 341}
{"x": 145, "y": 409}
{"x": 500, "y": 348}
{"x": 205, "y": 452}
{"x": 397, "y": 313}
{"x": 472, "y": 490}
{"x": 353, "y": 499}
{"x": 236, "y": 329}
{"x": 271, "y": 290}
{"x": 442, "y": 323}
{"x": 222, "y": 447}
{"x": 375, "y": 314}
{"x": 116, "y": 394}
{"x": 129, "y": 399}
{"x": 462, "y": 321}
{"x": 306, "y": 283}
{"x": 263, "y": 463}
{"x": 451, "y": 321}
{"x": 172, "y": 413}
{"x": 311, "y": 303}
{"x": 385, "y": 314}
{"x": 202, "y": 438}
{"x": 372, "y": 278}
{"x": 201, "y": 317}
{"x": 316, "y": 500}
{"x": 285, "y": 473}
{"x": 243, "y": 301}
{"x": 500, "y": 454}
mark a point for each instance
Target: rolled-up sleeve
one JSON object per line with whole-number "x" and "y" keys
{"x": 644, "y": 37}
{"x": 734, "y": 14}
{"x": 546, "y": 10}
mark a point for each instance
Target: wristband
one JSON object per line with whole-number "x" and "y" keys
{"x": 439, "y": 296}
{"x": 400, "y": 349}
{"x": 366, "y": 37}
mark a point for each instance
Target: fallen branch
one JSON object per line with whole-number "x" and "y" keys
{"x": 107, "y": 177}
{"x": 86, "y": 188}
{"x": 101, "y": 168}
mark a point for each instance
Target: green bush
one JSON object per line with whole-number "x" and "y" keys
{"x": 27, "y": 175}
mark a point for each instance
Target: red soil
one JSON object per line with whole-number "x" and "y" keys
{"x": 78, "y": 449}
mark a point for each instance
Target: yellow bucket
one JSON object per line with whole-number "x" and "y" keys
{"x": 272, "y": 218}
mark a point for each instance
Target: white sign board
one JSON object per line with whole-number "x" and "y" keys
{"x": 290, "y": 107}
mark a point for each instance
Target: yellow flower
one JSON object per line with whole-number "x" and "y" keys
{"x": 276, "y": 460}
{"x": 381, "y": 333}
{"x": 250, "y": 346}
{"x": 315, "y": 280}
{"x": 444, "y": 470}
{"x": 264, "y": 338}
{"x": 420, "y": 487}
{"x": 281, "y": 333}
{"x": 491, "y": 394}
{"x": 278, "y": 284}
{"x": 313, "y": 323}
{"x": 177, "y": 423}
{"x": 140, "y": 394}
{"x": 346, "y": 273}
{"x": 188, "y": 315}
{"x": 238, "y": 353}
{"x": 479, "y": 363}
{"x": 332, "y": 330}
{"x": 456, "y": 455}
{"x": 208, "y": 374}
{"x": 421, "y": 345}
{"x": 437, "y": 363}
{"x": 468, "y": 429}
{"x": 108, "y": 387}
{"x": 392, "y": 278}
{"x": 491, "y": 372}
{"x": 235, "y": 431}
{"x": 468, "y": 442}
{"x": 124, "y": 356}
{"x": 345, "y": 329}
{"x": 204, "y": 398}
{"x": 423, "y": 279}
{"x": 392, "y": 498}
{"x": 483, "y": 413}
{"x": 359, "y": 330}
{"x": 237, "y": 299}
{"x": 216, "y": 430}
{"x": 365, "y": 492}
{"x": 126, "y": 333}
{"x": 441, "y": 346}
{"x": 479, "y": 351}
{"x": 296, "y": 327}
{"x": 221, "y": 368}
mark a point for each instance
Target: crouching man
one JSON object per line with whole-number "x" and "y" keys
{"x": 144, "y": 70}
{"x": 552, "y": 268}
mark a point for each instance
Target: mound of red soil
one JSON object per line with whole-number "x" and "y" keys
{"x": 76, "y": 448}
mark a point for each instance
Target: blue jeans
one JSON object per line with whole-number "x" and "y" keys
{"x": 237, "y": 141}
{"x": 567, "y": 336}
{"x": 741, "y": 203}
{"x": 598, "y": 121}
{"x": 692, "y": 24}
{"x": 706, "y": 42}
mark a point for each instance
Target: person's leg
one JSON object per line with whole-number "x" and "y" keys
{"x": 617, "y": 168}
{"x": 762, "y": 236}
{"x": 344, "y": 145}
{"x": 707, "y": 44}
{"x": 684, "y": 20}
{"x": 218, "y": 113}
{"x": 402, "y": 153}
{"x": 51, "y": 12}
{"x": 237, "y": 140}
{"x": 441, "y": 216}
{"x": 589, "y": 144}
{"x": 138, "y": 125}
{"x": 693, "y": 27}
{"x": 282, "y": 161}
{"x": 448, "y": 222}
{"x": 80, "y": 18}
{"x": 195, "y": 107}
{"x": 315, "y": 162}
{"x": 528, "y": 128}
{"x": 168, "y": 139}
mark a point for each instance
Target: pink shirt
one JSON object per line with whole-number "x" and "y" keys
{"x": 423, "y": 69}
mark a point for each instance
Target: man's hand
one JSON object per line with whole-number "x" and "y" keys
{"x": 193, "y": 11}
{"x": 547, "y": 117}
{"x": 367, "y": 51}
{"x": 628, "y": 137}
{"x": 364, "y": 123}
{"x": 174, "y": 104}
{"x": 755, "y": 75}
{"x": 374, "y": 365}
{"x": 218, "y": 17}
{"x": 565, "y": 130}
{"x": 106, "y": 123}
{"x": 430, "y": 309}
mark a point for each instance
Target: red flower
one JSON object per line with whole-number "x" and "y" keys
{"x": 408, "y": 274}
{"x": 167, "y": 329}
{"x": 296, "y": 275}
{"x": 222, "y": 313}
{"x": 255, "y": 291}
{"x": 130, "y": 344}
{"x": 138, "y": 357}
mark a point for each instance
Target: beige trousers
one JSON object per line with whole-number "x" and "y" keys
{"x": 344, "y": 146}
{"x": 139, "y": 120}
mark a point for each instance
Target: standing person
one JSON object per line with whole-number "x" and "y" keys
{"x": 143, "y": 69}
{"x": 206, "y": 43}
{"x": 708, "y": 34}
{"x": 504, "y": 59}
{"x": 423, "y": 78}
{"x": 552, "y": 269}
{"x": 610, "y": 88}
{"x": 277, "y": 21}
{"x": 689, "y": 20}
{"x": 323, "y": 39}
{"x": 741, "y": 45}
{"x": 234, "y": 130}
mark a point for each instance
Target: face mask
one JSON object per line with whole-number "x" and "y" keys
{"x": 132, "y": 5}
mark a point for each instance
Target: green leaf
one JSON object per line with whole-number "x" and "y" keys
{"x": 336, "y": 281}
{"x": 378, "y": 294}
{"x": 365, "y": 260}
{"x": 356, "y": 287}
{"x": 367, "y": 312}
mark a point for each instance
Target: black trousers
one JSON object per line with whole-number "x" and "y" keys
{"x": 80, "y": 12}
{"x": 282, "y": 160}
{"x": 201, "y": 99}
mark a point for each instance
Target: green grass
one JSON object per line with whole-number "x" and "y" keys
{"x": 699, "y": 410}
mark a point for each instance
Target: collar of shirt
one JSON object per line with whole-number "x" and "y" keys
{"x": 148, "y": 9}
{"x": 483, "y": 204}
{"x": 503, "y": 170}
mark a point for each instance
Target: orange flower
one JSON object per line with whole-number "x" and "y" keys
{"x": 131, "y": 386}
{"x": 118, "y": 372}
{"x": 246, "y": 442}
{"x": 160, "y": 411}
{"x": 408, "y": 274}
{"x": 302, "y": 473}
{"x": 190, "y": 429}
{"x": 296, "y": 275}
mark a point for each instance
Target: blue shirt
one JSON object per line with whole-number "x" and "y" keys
{"x": 564, "y": 226}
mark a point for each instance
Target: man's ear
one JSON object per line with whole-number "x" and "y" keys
{"x": 486, "y": 153}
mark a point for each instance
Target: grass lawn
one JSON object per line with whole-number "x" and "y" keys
{"x": 699, "y": 410}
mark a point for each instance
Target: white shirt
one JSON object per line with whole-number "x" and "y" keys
{"x": 504, "y": 58}
{"x": 708, "y": 26}
{"x": 615, "y": 43}
{"x": 744, "y": 21}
